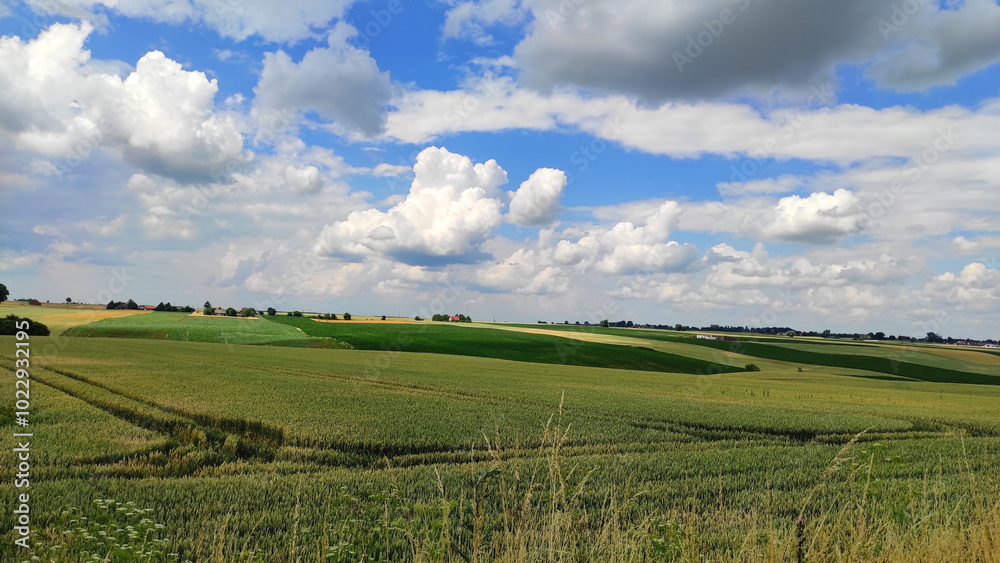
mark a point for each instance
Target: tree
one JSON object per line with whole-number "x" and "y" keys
{"x": 678, "y": 327}
{"x": 208, "y": 311}
{"x": 208, "y": 305}
{"x": 933, "y": 338}
{"x": 417, "y": 318}
{"x": 248, "y": 312}
{"x": 271, "y": 312}
{"x": 347, "y": 316}
{"x": 751, "y": 367}
{"x": 826, "y": 333}
{"x": 604, "y": 323}
{"x": 790, "y": 333}
{"x": 383, "y": 317}
{"x": 69, "y": 300}
{"x": 4, "y": 294}
{"x": 230, "y": 312}
{"x": 132, "y": 305}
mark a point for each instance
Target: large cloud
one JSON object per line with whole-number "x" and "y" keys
{"x": 629, "y": 248}
{"x": 340, "y": 83}
{"x": 662, "y": 49}
{"x": 536, "y": 202}
{"x": 821, "y": 217}
{"x": 451, "y": 207}
{"x": 290, "y": 20}
{"x": 160, "y": 118}
{"x": 841, "y": 134}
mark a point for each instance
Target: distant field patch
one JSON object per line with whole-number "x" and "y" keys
{"x": 442, "y": 338}
{"x": 181, "y": 326}
{"x": 831, "y": 354}
{"x": 61, "y": 318}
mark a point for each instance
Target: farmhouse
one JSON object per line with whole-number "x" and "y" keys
{"x": 707, "y": 337}
{"x": 148, "y": 307}
{"x": 454, "y": 319}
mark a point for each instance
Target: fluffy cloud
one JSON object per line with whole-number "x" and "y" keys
{"x": 526, "y": 271}
{"x": 821, "y": 217}
{"x": 622, "y": 248}
{"x": 977, "y": 286}
{"x": 536, "y": 202}
{"x": 274, "y": 21}
{"x": 450, "y": 208}
{"x": 340, "y": 83}
{"x": 239, "y": 264}
{"x": 160, "y": 118}
{"x": 629, "y": 248}
{"x": 662, "y": 49}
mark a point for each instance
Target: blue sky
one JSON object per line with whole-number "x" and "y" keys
{"x": 731, "y": 161}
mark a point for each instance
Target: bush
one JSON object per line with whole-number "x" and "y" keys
{"x": 295, "y": 313}
{"x": 417, "y": 318}
{"x": 751, "y": 367}
{"x": 8, "y": 326}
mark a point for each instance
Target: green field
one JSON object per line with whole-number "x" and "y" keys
{"x": 166, "y": 435}
{"x": 181, "y": 326}
{"x": 444, "y": 338}
{"x": 893, "y": 360}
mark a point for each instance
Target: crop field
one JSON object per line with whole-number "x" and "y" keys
{"x": 60, "y": 318}
{"x": 181, "y": 326}
{"x": 889, "y": 361}
{"x": 452, "y": 339}
{"x": 183, "y": 450}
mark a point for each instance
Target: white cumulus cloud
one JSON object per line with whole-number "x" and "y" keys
{"x": 160, "y": 117}
{"x": 340, "y": 83}
{"x": 536, "y": 202}
{"x": 451, "y": 207}
{"x": 820, "y": 217}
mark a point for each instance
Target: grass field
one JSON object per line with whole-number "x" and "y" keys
{"x": 221, "y": 452}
